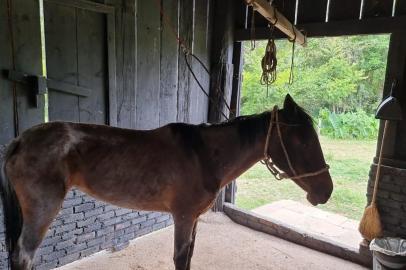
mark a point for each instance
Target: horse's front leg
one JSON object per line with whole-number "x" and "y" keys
{"x": 184, "y": 226}
{"x": 192, "y": 245}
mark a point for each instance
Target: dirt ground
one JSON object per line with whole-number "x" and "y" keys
{"x": 220, "y": 244}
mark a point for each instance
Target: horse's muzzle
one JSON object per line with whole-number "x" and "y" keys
{"x": 319, "y": 199}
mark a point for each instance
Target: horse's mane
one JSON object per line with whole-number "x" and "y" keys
{"x": 251, "y": 126}
{"x": 302, "y": 118}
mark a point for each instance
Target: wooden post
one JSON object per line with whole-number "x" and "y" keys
{"x": 396, "y": 67}
{"x": 275, "y": 17}
{"x": 222, "y": 67}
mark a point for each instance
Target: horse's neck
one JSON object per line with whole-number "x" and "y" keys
{"x": 236, "y": 147}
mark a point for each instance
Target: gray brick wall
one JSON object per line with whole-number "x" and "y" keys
{"x": 391, "y": 199}
{"x": 85, "y": 226}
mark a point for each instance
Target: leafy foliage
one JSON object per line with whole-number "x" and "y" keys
{"x": 350, "y": 125}
{"x": 343, "y": 75}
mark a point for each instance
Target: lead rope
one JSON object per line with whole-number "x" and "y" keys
{"x": 267, "y": 161}
{"x": 278, "y": 128}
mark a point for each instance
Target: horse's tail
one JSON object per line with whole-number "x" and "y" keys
{"x": 13, "y": 218}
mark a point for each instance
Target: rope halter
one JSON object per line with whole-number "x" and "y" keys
{"x": 275, "y": 171}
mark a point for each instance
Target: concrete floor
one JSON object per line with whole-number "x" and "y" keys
{"x": 315, "y": 221}
{"x": 220, "y": 244}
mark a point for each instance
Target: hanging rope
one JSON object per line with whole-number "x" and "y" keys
{"x": 269, "y": 61}
{"x": 188, "y": 52}
{"x": 14, "y": 84}
{"x": 292, "y": 64}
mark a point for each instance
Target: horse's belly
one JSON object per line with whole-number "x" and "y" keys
{"x": 141, "y": 195}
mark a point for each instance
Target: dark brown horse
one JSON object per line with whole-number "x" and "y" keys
{"x": 178, "y": 168}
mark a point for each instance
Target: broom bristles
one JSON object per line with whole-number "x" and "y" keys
{"x": 370, "y": 225}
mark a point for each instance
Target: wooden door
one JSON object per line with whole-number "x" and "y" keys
{"x": 20, "y": 50}
{"x": 80, "y": 60}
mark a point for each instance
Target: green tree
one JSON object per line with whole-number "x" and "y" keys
{"x": 342, "y": 74}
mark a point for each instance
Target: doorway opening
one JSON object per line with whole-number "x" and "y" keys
{"x": 339, "y": 81}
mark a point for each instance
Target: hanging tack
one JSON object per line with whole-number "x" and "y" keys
{"x": 283, "y": 24}
{"x": 269, "y": 61}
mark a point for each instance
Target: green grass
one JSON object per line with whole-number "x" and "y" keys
{"x": 350, "y": 163}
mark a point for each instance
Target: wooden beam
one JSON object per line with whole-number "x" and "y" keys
{"x": 334, "y": 28}
{"x": 277, "y": 18}
{"x": 84, "y": 4}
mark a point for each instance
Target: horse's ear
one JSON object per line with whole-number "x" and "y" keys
{"x": 289, "y": 106}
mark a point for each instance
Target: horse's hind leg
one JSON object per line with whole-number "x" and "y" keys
{"x": 40, "y": 203}
{"x": 183, "y": 240}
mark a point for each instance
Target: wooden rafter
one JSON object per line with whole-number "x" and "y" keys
{"x": 278, "y": 19}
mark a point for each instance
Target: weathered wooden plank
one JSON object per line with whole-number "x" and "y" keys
{"x": 62, "y": 59}
{"x": 238, "y": 63}
{"x": 6, "y": 89}
{"x": 221, "y": 77}
{"x": 112, "y": 71}
{"x": 125, "y": 63}
{"x": 377, "y": 8}
{"x": 221, "y": 56}
{"x": 92, "y": 65}
{"x": 84, "y": 4}
{"x": 169, "y": 64}
{"x": 186, "y": 31}
{"x": 312, "y": 11}
{"x": 68, "y": 88}
{"x": 198, "y": 100}
{"x": 344, "y": 10}
{"x": 148, "y": 65}
{"x": 27, "y": 39}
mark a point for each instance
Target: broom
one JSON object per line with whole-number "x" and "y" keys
{"x": 370, "y": 226}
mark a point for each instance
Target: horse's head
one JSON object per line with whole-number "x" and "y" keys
{"x": 294, "y": 140}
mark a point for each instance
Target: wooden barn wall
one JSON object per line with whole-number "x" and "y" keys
{"x": 153, "y": 88}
